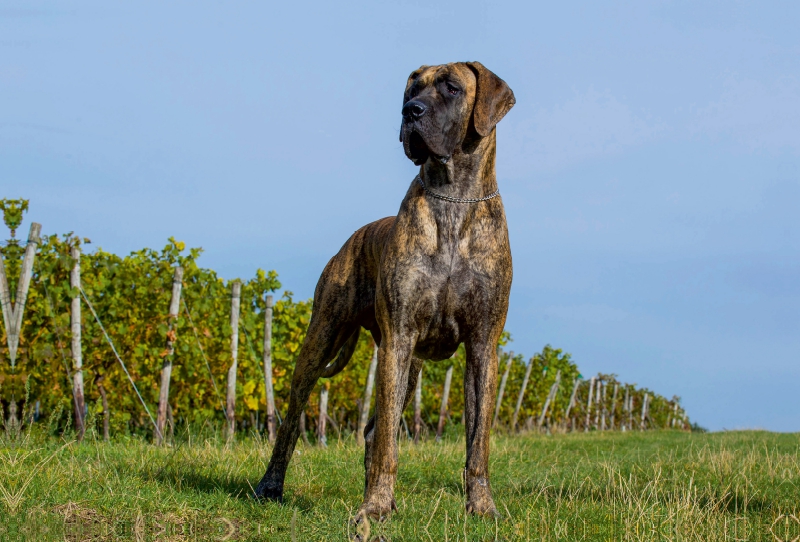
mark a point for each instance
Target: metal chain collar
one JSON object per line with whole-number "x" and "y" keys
{"x": 455, "y": 200}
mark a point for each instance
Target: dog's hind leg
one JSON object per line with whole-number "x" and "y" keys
{"x": 321, "y": 344}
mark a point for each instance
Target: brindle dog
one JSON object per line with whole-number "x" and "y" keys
{"x": 423, "y": 282}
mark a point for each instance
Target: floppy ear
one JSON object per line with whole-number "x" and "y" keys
{"x": 493, "y": 99}
{"x": 411, "y": 79}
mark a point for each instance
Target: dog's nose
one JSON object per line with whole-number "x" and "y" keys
{"x": 414, "y": 110}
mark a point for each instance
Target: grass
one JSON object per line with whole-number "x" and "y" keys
{"x": 598, "y": 486}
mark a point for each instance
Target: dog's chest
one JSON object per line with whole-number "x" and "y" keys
{"x": 466, "y": 244}
{"x": 443, "y": 275}
{"x": 446, "y": 253}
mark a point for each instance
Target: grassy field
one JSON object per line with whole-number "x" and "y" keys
{"x": 600, "y": 486}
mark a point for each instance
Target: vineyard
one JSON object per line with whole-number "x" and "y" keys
{"x": 96, "y": 333}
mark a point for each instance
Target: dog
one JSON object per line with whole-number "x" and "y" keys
{"x": 435, "y": 276}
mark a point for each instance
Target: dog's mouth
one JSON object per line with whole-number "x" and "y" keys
{"x": 418, "y": 151}
{"x": 416, "y": 148}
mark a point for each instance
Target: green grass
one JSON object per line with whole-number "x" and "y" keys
{"x": 600, "y": 486}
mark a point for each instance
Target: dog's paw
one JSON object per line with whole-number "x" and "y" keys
{"x": 483, "y": 509}
{"x": 375, "y": 508}
{"x": 266, "y": 493}
{"x": 479, "y": 498}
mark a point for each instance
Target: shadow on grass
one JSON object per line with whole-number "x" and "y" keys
{"x": 233, "y": 487}
{"x": 236, "y": 487}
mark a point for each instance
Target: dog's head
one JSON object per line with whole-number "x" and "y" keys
{"x": 445, "y": 105}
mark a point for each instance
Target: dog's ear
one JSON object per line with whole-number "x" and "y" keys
{"x": 409, "y": 82}
{"x": 493, "y": 99}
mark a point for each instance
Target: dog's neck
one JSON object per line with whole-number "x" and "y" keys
{"x": 469, "y": 173}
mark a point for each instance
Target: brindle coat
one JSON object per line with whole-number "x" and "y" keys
{"x": 423, "y": 282}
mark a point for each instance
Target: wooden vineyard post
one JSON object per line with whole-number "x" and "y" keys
{"x": 625, "y": 409}
{"x": 322, "y": 440}
{"x": 644, "y": 410}
{"x": 9, "y": 318}
{"x": 502, "y": 390}
{"x": 75, "y": 329}
{"x": 604, "y": 408}
{"x": 270, "y": 392}
{"x": 12, "y": 314}
{"x": 5, "y": 301}
{"x": 589, "y": 404}
{"x": 303, "y": 430}
{"x": 630, "y": 412}
{"x": 448, "y": 377}
{"x": 550, "y": 398}
{"x": 521, "y": 395}
{"x": 613, "y": 406}
{"x": 166, "y": 367}
{"x": 418, "y": 408}
{"x": 363, "y": 416}
{"x": 572, "y": 401}
{"x": 230, "y": 412}
{"x": 106, "y": 414}
{"x": 597, "y": 402}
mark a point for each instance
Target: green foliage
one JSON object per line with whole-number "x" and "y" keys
{"x": 12, "y": 213}
{"x": 131, "y": 294}
{"x": 12, "y": 251}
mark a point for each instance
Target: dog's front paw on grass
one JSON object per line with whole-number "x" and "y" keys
{"x": 483, "y": 509}
{"x": 266, "y": 492}
{"x": 479, "y": 499}
{"x": 375, "y": 508}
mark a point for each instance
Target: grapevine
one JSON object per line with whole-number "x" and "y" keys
{"x": 131, "y": 294}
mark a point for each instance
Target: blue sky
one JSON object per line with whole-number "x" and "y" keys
{"x": 650, "y": 169}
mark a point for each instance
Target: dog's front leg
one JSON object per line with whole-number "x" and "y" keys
{"x": 480, "y": 384}
{"x": 369, "y": 430}
{"x": 394, "y": 361}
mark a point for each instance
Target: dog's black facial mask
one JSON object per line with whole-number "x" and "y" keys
{"x": 432, "y": 111}
{"x": 434, "y": 106}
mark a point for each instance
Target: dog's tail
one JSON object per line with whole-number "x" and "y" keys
{"x": 343, "y": 358}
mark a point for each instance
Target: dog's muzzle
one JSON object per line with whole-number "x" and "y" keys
{"x": 414, "y": 110}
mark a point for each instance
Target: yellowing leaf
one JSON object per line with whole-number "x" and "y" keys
{"x": 251, "y": 402}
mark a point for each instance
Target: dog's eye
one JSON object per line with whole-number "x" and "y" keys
{"x": 452, "y": 89}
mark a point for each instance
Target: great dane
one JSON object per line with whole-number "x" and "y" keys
{"x": 435, "y": 276}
